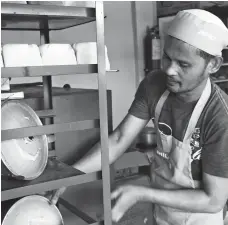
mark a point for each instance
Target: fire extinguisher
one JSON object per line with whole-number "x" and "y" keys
{"x": 152, "y": 50}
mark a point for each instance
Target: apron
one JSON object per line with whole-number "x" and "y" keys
{"x": 171, "y": 168}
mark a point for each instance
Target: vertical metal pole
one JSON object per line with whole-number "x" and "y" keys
{"x": 103, "y": 113}
{"x": 135, "y": 38}
{"x": 47, "y": 82}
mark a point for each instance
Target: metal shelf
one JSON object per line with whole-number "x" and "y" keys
{"x": 32, "y": 17}
{"x": 48, "y": 129}
{"x": 225, "y": 64}
{"x": 221, "y": 81}
{"x": 36, "y": 71}
{"x": 46, "y": 18}
{"x": 56, "y": 175}
{"x": 134, "y": 158}
{"x": 56, "y": 70}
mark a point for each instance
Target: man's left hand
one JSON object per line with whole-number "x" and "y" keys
{"x": 126, "y": 197}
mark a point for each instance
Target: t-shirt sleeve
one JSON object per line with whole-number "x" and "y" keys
{"x": 140, "y": 106}
{"x": 215, "y": 152}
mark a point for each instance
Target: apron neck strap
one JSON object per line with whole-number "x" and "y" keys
{"x": 159, "y": 107}
{"x": 198, "y": 110}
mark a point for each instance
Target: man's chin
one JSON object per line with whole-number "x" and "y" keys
{"x": 172, "y": 88}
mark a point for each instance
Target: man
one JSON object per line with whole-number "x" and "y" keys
{"x": 190, "y": 176}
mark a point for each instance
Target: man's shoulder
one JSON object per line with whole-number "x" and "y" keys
{"x": 154, "y": 83}
{"x": 155, "y": 78}
{"x": 217, "y": 111}
{"x": 219, "y": 103}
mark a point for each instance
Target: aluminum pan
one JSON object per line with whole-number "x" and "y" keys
{"x": 28, "y": 156}
{"x": 33, "y": 210}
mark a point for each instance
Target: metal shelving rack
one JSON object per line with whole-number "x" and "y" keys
{"x": 44, "y": 18}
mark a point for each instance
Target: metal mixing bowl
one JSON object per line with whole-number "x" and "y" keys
{"x": 33, "y": 210}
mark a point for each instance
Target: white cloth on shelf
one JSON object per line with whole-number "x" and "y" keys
{"x": 2, "y": 62}
{"x": 57, "y": 54}
{"x": 80, "y": 3}
{"x": 17, "y": 2}
{"x": 19, "y": 55}
{"x": 86, "y": 53}
{"x": 65, "y": 3}
{"x": 5, "y": 84}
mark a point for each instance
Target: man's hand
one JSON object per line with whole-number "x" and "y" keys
{"x": 54, "y": 195}
{"x": 126, "y": 196}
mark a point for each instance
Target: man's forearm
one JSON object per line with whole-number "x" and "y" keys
{"x": 91, "y": 162}
{"x": 195, "y": 201}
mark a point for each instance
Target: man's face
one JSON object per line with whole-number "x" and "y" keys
{"x": 185, "y": 69}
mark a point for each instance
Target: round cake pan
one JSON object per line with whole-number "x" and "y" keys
{"x": 33, "y": 210}
{"x": 24, "y": 157}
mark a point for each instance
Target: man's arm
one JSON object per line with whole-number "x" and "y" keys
{"x": 210, "y": 199}
{"x": 119, "y": 141}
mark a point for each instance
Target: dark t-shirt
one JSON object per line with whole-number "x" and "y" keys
{"x": 209, "y": 141}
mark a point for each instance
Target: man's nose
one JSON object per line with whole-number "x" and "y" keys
{"x": 171, "y": 69}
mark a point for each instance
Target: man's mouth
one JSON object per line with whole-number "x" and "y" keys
{"x": 171, "y": 81}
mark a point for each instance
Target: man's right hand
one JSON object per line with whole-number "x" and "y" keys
{"x": 54, "y": 195}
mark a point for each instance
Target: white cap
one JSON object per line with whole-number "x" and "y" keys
{"x": 200, "y": 29}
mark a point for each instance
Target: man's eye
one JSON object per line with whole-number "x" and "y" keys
{"x": 184, "y": 65}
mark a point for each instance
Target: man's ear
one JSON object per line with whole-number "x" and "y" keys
{"x": 215, "y": 64}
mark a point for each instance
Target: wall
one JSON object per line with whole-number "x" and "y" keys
{"x": 145, "y": 15}
{"x": 121, "y": 50}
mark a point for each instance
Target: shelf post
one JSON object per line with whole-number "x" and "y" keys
{"x": 47, "y": 81}
{"x": 102, "y": 86}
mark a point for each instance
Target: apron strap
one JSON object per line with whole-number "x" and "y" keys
{"x": 159, "y": 108}
{"x": 157, "y": 114}
{"x": 198, "y": 110}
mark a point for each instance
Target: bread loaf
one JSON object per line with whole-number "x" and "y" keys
{"x": 57, "y": 54}
{"x": 65, "y": 3}
{"x": 86, "y": 53}
{"x": 20, "y": 55}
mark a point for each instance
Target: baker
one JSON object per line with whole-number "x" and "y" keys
{"x": 190, "y": 163}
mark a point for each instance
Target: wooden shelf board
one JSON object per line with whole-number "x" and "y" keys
{"x": 56, "y": 175}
